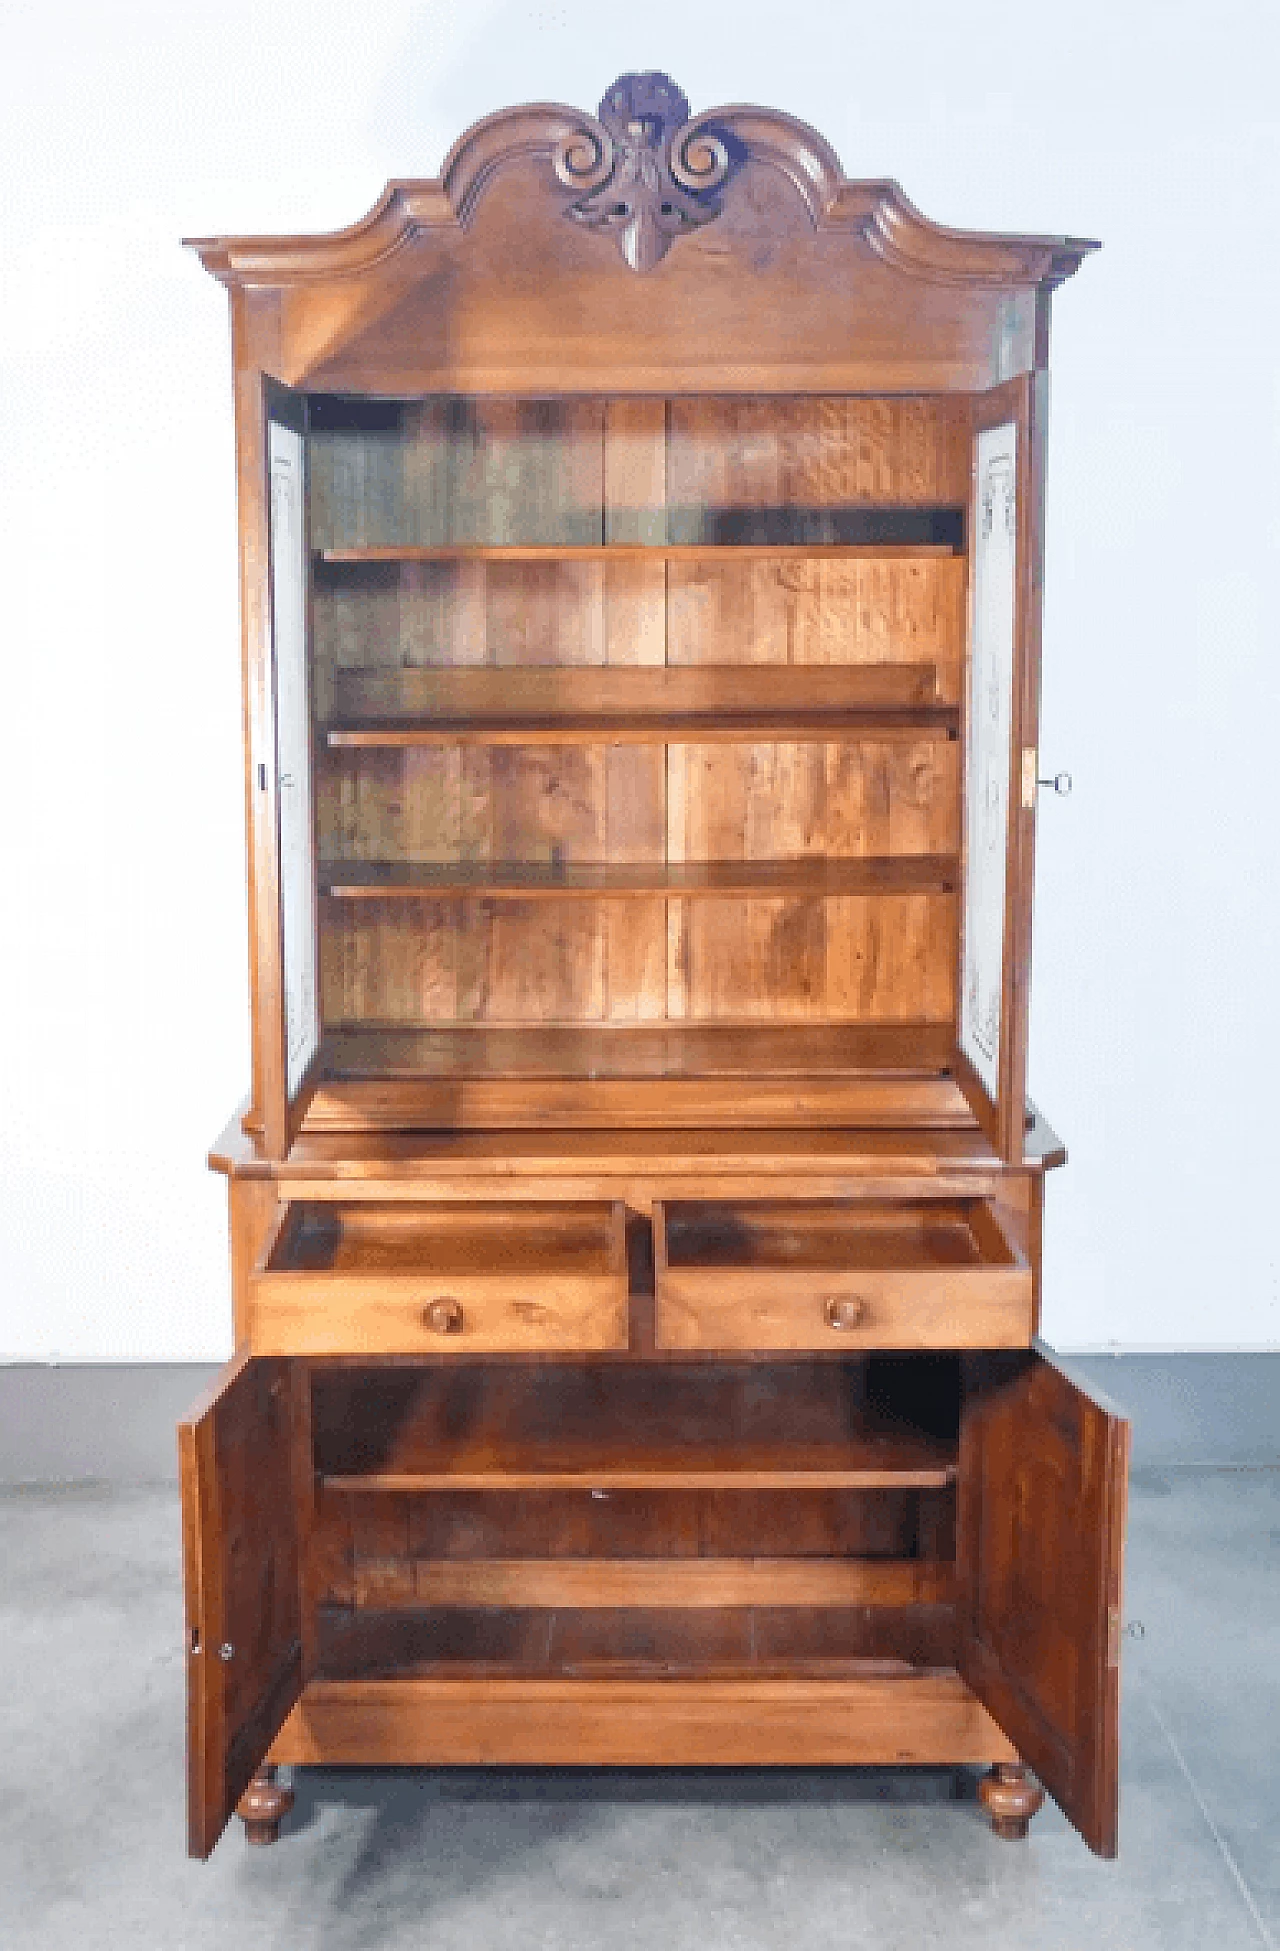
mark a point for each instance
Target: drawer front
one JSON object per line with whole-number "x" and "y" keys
{"x": 400, "y": 1280}
{"x": 802, "y": 1298}
{"x": 866, "y": 1310}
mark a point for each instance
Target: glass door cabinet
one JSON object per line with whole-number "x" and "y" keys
{"x": 636, "y": 1211}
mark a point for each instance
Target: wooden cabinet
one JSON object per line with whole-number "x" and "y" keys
{"x": 636, "y": 1214}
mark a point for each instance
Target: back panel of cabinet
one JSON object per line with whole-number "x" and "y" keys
{"x": 637, "y": 711}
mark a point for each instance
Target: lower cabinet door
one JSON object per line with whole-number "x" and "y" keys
{"x": 240, "y": 1573}
{"x": 1042, "y": 1488}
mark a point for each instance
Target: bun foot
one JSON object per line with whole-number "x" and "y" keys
{"x": 1010, "y": 1796}
{"x": 263, "y": 1806}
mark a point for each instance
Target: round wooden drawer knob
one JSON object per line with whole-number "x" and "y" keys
{"x": 444, "y": 1316}
{"x": 843, "y": 1311}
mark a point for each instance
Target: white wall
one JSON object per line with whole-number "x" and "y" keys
{"x": 125, "y": 126}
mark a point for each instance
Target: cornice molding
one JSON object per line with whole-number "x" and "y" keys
{"x": 691, "y": 163}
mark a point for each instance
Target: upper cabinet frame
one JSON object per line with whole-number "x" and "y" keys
{"x": 641, "y": 252}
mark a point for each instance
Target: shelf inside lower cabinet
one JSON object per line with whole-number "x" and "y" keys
{"x": 700, "y": 1426}
{"x": 857, "y": 1715}
{"x": 759, "y": 1642}
{"x": 607, "y": 1583}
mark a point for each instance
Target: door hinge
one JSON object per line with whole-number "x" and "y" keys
{"x": 1113, "y": 1636}
{"x": 1030, "y": 764}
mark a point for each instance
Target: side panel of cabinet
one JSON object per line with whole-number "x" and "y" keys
{"x": 1001, "y": 710}
{"x": 1039, "y": 1552}
{"x": 240, "y": 1575}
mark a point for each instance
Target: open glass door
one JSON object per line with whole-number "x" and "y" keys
{"x": 240, "y": 1575}
{"x": 289, "y": 556}
{"x": 275, "y": 599}
{"x": 1000, "y": 715}
{"x": 1041, "y": 1498}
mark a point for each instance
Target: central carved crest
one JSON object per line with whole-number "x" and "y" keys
{"x": 650, "y": 173}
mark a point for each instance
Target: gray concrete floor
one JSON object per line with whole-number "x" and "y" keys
{"x": 91, "y": 1784}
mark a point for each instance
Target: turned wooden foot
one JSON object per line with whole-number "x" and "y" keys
{"x": 262, "y": 1807}
{"x": 1010, "y": 1796}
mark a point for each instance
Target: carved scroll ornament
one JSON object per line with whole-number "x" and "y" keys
{"x": 649, "y": 173}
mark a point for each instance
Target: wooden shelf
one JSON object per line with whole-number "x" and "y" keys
{"x": 747, "y": 1718}
{"x": 588, "y": 880}
{"x": 644, "y": 552}
{"x": 695, "y": 728}
{"x": 412, "y": 692}
{"x": 706, "y": 1426}
{"x": 598, "y": 1079}
{"x": 647, "y": 1051}
{"x": 773, "y": 1641}
{"x": 591, "y": 703}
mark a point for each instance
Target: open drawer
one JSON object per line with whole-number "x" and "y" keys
{"x": 923, "y": 1273}
{"x": 373, "y": 1277}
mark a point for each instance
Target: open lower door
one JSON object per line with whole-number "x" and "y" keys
{"x": 1001, "y": 709}
{"x": 240, "y": 1571}
{"x": 1040, "y": 1535}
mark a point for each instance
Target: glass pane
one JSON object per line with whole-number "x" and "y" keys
{"x": 293, "y": 749}
{"x": 990, "y": 733}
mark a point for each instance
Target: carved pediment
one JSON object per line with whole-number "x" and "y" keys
{"x": 645, "y": 173}
{"x": 648, "y": 171}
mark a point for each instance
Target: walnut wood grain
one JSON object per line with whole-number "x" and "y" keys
{"x": 638, "y": 728}
{"x": 731, "y": 689}
{"x": 624, "y": 552}
{"x": 697, "y": 1583}
{"x": 711, "y": 1427}
{"x": 891, "y": 1051}
{"x": 699, "y": 880}
{"x": 766, "y": 1642}
{"x": 669, "y": 1722}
